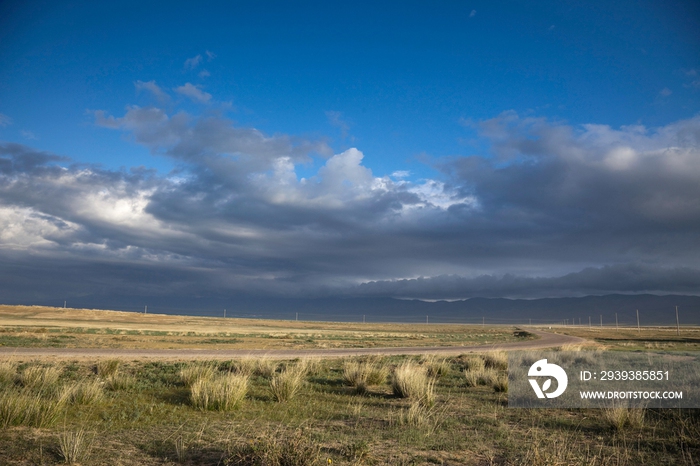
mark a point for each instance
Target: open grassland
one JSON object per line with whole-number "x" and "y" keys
{"x": 33, "y": 326}
{"x": 393, "y": 410}
{"x": 631, "y": 339}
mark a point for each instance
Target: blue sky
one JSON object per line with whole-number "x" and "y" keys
{"x": 451, "y": 104}
{"x": 401, "y": 75}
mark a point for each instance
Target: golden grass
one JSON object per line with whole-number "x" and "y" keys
{"x": 40, "y": 379}
{"x": 197, "y": 372}
{"x": 411, "y": 381}
{"x": 220, "y": 393}
{"x": 85, "y": 392}
{"x": 496, "y": 360}
{"x": 361, "y": 375}
{"x": 436, "y": 367}
{"x": 484, "y": 376}
{"x": 107, "y": 367}
{"x": 28, "y": 409}
{"x": 8, "y": 373}
{"x": 619, "y": 417}
{"x": 285, "y": 385}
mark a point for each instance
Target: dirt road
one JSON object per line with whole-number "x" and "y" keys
{"x": 546, "y": 340}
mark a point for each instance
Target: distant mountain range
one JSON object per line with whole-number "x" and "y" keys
{"x": 653, "y": 309}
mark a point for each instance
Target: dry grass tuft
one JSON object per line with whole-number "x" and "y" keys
{"x": 361, "y": 375}
{"x": 265, "y": 367}
{"x": 436, "y": 367}
{"x": 197, "y": 372}
{"x": 411, "y": 381}
{"x": 221, "y": 393}
{"x": 475, "y": 378}
{"x": 571, "y": 347}
{"x": 8, "y": 373}
{"x": 496, "y": 360}
{"x": 285, "y": 385}
{"x": 74, "y": 447}
{"x": 619, "y": 417}
{"x": 85, "y": 392}
{"x": 107, "y": 367}
{"x": 119, "y": 381}
{"x": 275, "y": 449}
{"x": 500, "y": 383}
{"x": 474, "y": 363}
{"x": 40, "y": 379}
{"x": 25, "y": 409}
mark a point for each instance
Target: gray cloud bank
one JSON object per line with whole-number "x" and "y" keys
{"x": 547, "y": 210}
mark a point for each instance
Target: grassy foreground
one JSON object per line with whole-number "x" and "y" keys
{"x": 395, "y": 410}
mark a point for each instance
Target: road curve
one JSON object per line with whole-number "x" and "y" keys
{"x": 545, "y": 340}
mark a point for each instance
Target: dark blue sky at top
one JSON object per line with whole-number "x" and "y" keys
{"x": 304, "y": 149}
{"x": 402, "y": 74}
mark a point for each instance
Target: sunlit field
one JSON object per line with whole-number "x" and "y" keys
{"x": 30, "y": 326}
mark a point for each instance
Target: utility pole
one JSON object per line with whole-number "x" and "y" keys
{"x": 678, "y": 325}
{"x": 145, "y": 310}
{"x": 64, "y": 304}
{"x": 639, "y": 330}
{"x": 426, "y": 319}
{"x": 589, "y": 321}
{"x": 616, "y": 326}
{"x": 297, "y": 316}
{"x": 224, "y": 313}
{"x": 601, "y": 320}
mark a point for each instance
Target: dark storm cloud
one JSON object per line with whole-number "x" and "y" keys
{"x": 618, "y": 208}
{"x": 596, "y": 281}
